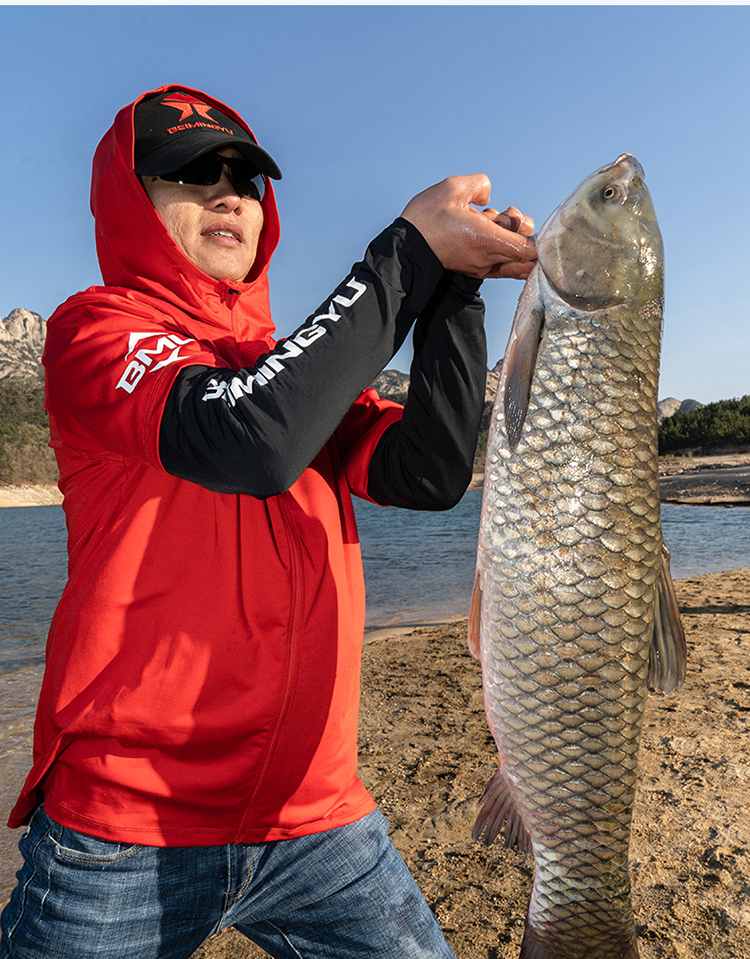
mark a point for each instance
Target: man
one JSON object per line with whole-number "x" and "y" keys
{"x": 195, "y": 746}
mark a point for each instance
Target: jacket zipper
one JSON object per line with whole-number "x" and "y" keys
{"x": 230, "y": 297}
{"x": 295, "y": 553}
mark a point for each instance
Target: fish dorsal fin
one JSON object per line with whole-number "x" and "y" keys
{"x": 668, "y": 650}
{"x": 520, "y": 358}
{"x": 475, "y": 617}
{"x": 498, "y": 807}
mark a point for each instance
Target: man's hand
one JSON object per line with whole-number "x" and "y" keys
{"x": 479, "y": 243}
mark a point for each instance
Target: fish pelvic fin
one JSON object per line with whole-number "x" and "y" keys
{"x": 534, "y": 948}
{"x": 497, "y": 806}
{"x": 475, "y": 617}
{"x": 666, "y": 671}
{"x": 520, "y": 358}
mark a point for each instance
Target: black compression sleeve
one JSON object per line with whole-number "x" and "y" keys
{"x": 255, "y": 431}
{"x": 425, "y": 461}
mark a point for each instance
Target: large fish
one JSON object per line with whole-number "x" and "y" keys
{"x": 573, "y": 613}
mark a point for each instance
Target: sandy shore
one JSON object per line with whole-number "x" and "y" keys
{"x": 30, "y": 496}
{"x": 426, "y": 754}
{"x": 706, "y": 480}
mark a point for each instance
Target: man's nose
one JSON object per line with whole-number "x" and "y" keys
{"x": 225, "y": 191}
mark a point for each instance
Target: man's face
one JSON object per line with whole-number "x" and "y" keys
{"x": 216, "y": 229}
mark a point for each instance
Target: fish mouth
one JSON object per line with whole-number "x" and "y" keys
{"x": 627, "y": 159}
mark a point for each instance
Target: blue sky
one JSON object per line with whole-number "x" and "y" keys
{"x": 365, "y": 106}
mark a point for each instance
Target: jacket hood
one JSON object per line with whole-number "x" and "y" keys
{"x": 137, "y": 252}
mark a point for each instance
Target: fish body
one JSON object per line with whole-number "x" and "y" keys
{"x": 573, "y": 612}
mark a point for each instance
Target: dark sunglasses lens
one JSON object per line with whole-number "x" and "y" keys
{"x": 245, "y": 177}
{"x": 207, "y": 170}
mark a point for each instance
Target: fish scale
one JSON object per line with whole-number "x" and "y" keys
{"x": 573, "y": 611}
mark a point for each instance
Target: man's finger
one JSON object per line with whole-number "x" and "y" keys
{"x": 497, "y": 217}
{"x": 521, "y": 223}
{"x": 512, "y": 270}
{"x": 472, "y": 189}
{"x": 507, "y": 243}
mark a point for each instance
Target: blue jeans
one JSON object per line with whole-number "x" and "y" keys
{"x": 337, "y": 894}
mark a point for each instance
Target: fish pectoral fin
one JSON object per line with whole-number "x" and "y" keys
{"x": 666, "y": 671}
{"x": 498, "y": 807}
{"x": 520, "y": 359}
{"x": 475, "y": 617}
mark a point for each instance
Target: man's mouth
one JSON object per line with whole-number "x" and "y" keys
{"x": 230, "y": 234}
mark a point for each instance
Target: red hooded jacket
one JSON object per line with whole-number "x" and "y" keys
{"x": 202, "y": 677}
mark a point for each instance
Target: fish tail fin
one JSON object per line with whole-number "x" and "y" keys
{"x": 668, "y": 650}
{"x": 498, "y": 807}
{"x": 533, "y": 948}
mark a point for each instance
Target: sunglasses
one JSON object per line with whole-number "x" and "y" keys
{"x": 206, "y": 170}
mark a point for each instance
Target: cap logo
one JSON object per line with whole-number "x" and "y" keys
{"x": 188, "y": 106}
{"x": 173, "y": 127}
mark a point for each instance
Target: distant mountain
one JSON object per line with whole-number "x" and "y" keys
{"x": 22, "y": 336}
{"x": 391, "y": 384}
{"x": 669, "y": 406}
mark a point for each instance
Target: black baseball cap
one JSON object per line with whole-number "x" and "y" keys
{"x": 171, "y": 129}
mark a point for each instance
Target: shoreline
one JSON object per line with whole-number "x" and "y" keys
{"x": 717, "y": 480}
{"x": 47, "y": 495}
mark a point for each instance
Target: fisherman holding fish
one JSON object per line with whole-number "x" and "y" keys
{"x": 195, "y": 746}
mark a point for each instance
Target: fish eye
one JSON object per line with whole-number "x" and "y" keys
{"x": 612, "y": 192}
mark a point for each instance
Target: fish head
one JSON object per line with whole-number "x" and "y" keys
{"x": 602, "y": 245}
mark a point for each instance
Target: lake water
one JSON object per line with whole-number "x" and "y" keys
{"x": 419, "y": 567}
